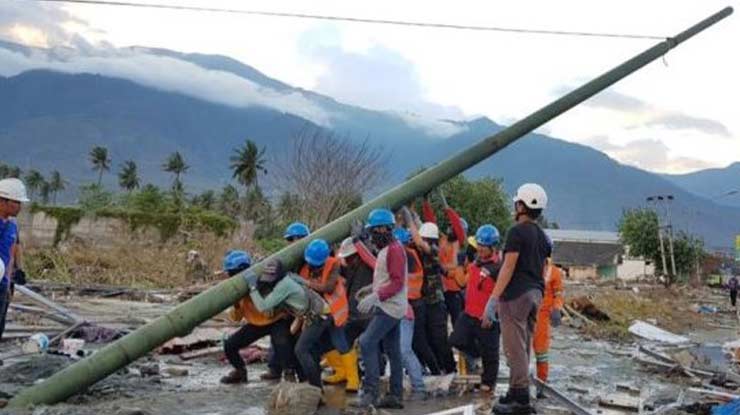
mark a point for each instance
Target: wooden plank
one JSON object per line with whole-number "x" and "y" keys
{"x": 715, "y": 394}
{"x": 201, "y": 353}
{"x": 41, "y": 312}
{"x": 571, "y": 310}
{"x": 620, "y": 401}
{"x": 46, "y": 302}
{"x": 561, "y": 397}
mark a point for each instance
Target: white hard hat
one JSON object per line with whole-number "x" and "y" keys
{"x": 13, "y": 189}
{"x": 347, "y": 249}
{"x": 429, "y": 230}
{"x": 532, "y": 195}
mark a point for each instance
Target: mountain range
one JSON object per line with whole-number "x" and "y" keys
{"x": 60, "y": 105}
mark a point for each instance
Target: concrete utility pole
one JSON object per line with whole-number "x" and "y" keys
{"x": 654, "y": 199}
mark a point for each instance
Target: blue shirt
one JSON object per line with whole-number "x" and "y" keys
{"x": 8, "y": 236}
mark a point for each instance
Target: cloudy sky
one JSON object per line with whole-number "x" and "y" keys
{"x": 676, "y": 115}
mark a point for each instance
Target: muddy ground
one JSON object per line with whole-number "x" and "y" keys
{"x": 586, "y": 365}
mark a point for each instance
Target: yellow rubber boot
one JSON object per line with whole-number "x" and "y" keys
{"x": 462, "y": 364}
{"x": 349, "y": 361}
{"x": 334, "y": 359}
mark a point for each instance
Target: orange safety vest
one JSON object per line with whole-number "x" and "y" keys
{"x": 446, "y": 257}
{"x": 245, "y": 310}
{"x": 337, "y": 299}
{"x": 416, "y": 278}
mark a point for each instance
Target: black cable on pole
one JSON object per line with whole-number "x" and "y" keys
{"x": 361, "y": 20}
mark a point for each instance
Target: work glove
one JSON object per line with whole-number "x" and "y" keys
{"x": 489, "y": 314}
{"x": 408, "y": 217}
{"x": 19, "y": 277}
{"x": 556, "y": 317}
{"x": 358, "y": 232}
{"x": 251, "y": 278}
{"x": 443, "y": 199}
{"x": 366, "y": 304}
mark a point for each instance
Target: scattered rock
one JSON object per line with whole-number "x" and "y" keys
{"x": 151, "y": 369}
{"x": 293, "y": 399}
{"x": 131, "y": 411}
{"x": 175, "y": 371}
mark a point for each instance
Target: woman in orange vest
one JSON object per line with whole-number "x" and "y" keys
{"x": 276, "y": 325}
{"x": 321, "y": 273}
{"x": 549, "y": 314}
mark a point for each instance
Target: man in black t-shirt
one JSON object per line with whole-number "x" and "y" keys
{"x": 518, "y": 294}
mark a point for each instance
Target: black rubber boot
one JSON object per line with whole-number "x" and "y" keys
{"x": 235, "y": 376}
{"x": 390, "y": 402}
{"x": 516, "y": 402}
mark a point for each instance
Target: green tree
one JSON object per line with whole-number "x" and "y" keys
{"x": 100, "y": 161}
{"x": 228, "y": 201}
{"x": 638, "y": 230}
{"x": 205, "y": 200}
{"x": 15, "y": 171}
{"x": 247, "y": 162}
{"x": 176, "y": 165}
{"x": 479, "y": 202}
{"x": 93, "y": 198}
{"x": 34, "y": 180}
{"x": 56, "y": 184}
{"x": 149, "y": 199}
{"x": 45, "y": 192}
{"x": 128, "y": 176}
{"x": 4, "y": 170}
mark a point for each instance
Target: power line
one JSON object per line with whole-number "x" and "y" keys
{"x": 362, "y": 20}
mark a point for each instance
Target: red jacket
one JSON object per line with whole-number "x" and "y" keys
{"x": 481, "y": 282}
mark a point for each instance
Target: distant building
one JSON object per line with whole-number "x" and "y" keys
{"x": 594, "y": 255}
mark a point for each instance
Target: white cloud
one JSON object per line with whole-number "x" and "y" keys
{"x": 167, "y": 74}
{"x": 647, "y": 154}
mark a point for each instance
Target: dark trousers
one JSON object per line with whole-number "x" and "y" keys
{"x": 4, "y": 303}
{"x": 318, "y": 337}
{"x": 354, "y": 328}
{"x": 276, "y": 364}
{"x": 278, "y": 331}
{"x": 421, "y": 343}
{"x": 437, "y": 329}
{"x": 383, "y": 331}
{"x": 454, "y": 303}
{"x": 733, "y": 300}
{"x": 470, "y": 338}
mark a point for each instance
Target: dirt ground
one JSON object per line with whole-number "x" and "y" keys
{"x": 587, "y": 363}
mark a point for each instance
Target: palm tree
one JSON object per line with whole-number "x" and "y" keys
{"x": 56, "y": 184}
{"x": 128, "y": 177}
{"x": 175, "y": 164}
{"x": 247, "y": 162}
{"x": 45, "y": 191}
{"x": 100, "y": 161}
{"x": 34, "y": 181}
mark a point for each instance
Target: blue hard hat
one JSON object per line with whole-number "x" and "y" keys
{"x": 402, "y": 235}
{"x": 234, "y": 260}
{"x": 487, "y": 235}
{"x": 316, "y": 252}
{"x": 380, "y": 217}
{"x": 297, "y": 230}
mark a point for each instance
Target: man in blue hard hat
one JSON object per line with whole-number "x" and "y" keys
{"x": 294, "y": 232}
{"x": 477, "y": 332}
{"x": 258, "y": 324}
{"x": 387, "y": 304}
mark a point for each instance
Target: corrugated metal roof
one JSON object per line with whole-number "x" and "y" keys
{"x": 583, "y": 236}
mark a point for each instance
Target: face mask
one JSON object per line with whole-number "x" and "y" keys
{"x": 381, "y": 240}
